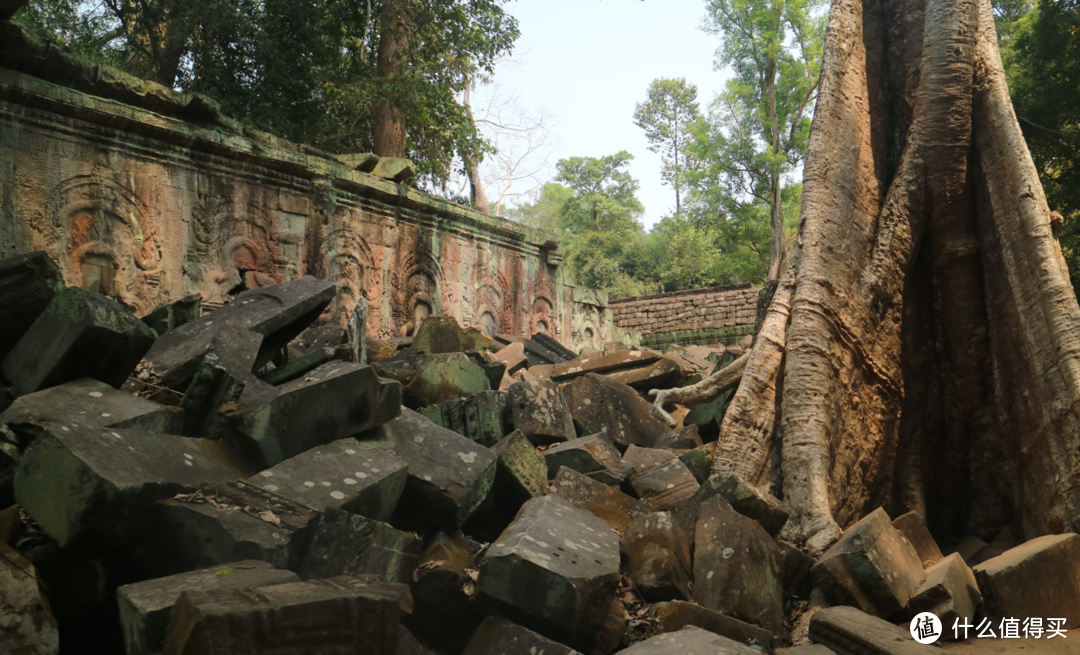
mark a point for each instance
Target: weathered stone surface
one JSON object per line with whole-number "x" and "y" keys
{"x": 511, "y": 356}
{"x": 798, "y": 582}
{"x": 28, "y": 283}
{"x": 912, "y": 526}
{"x": 589, "y": 454}
{"x": 698, "y": 316}
{"x": 393, "y": 168}
{"x": 682, "y": 439}
{"x": 494, "y": 371}
{"x": 277, "y": 313}
{"x": 699, "y": 461}
{"x": 949, "y": 591}
{"x": 662, "y": 374}
{"x": 339, "y": 543}
{"x": 566, "y": 551}
{"x": 659, "y": 478}
{"x": 737, "y": 567}
{"x": 607, "y": 503}
{"x": 91, "y": 403}
{"x": 441, "y": 615}
{"x": 606, "y": 364}
{"x": 689, "y": 641}
{"x": 449, "y": 475}
{"x": 220, "y": 377}
{"x": 687, "y": 515}
{"x": 540, "y": 412}
{"x": 336, "y": 400}
{"x": 343, "y": 615}
{"x": 809, "y": 649}
{"x": 849, "y": 631}
{"x": 544, "y": 350}
{"x": 676, "y": 615}
{"x": 431, "y": 379}
{"x": 360, "y": 161}
{"x": 79, "y": 335}
{"x": 485, "y": 418}
{"x": 498, "y": 636}
{"x": 969, "y": 548}
{"x": 169, "y": 317}
{"x": 649, "y": 547}
{"x": 749, "y": 501}
{"x": 225, "y": 524}
{"x": 92, "y": 485}
{"x": 345, "y": 474}
{"x": 145, "y": 607}
{"x": 597, "y": 403}
{"x": 1039, "y": 578}
{"x": 522, "y": 472}
{"x": 442, "y": 334}
{"x": 27, "y": 626}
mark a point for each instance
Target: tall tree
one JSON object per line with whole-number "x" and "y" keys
{"x": 666, "y": 116}
{"x": 391, "y": 65}
{"x": 773, "y": 49}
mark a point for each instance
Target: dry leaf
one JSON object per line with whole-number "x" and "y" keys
{"x": 269, "y": 517}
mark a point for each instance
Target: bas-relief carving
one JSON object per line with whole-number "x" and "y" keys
{"x": 350, "y": 264}
{"x": 415, "y": 290}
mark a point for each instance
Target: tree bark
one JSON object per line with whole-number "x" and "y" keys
{"x": 923, "y": 350}
{"x": 389, "y": 138}
{"x": 777, "y": 233}
{"x": 472, "y": 169}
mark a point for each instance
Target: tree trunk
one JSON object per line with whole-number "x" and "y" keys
{"x": 922, "y": 350}
{"x": 777, "y": 234}
{"x": 391, "y": 63}
{"x": 476, "y": 185}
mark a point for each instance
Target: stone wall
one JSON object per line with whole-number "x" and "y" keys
{"x": 148, "y": 195}
{"x": 701, "y": 316}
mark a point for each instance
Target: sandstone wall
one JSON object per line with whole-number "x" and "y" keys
{"x": 148, "y": 195}
{"x": 701, "y": 316}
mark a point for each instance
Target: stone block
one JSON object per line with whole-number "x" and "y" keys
{"x": 682, "y": 439}
{"x": 27, "y": 626}
{"x": 797, "y": 581}
{"x": 604, "y": 364}
{"x": 676, "y": 615}
{"x": 449, "y": 475}
{"x": 849, "y": 631}
{"x": 343, "y": 615}
{"x": 699, "y": 461}
{"x": 167, "y": 318}
{"x": 485, "y": 418}
{"x": 522, "y": 472}
{"x": 949, "y": 591}
{"x": 145, "y": 607}
{"x": 394, "y": 169}
{"x": 597, "y": 403}
{"x": 344, "y": 474}
{"x": 512, "y": 357}
{"x": 335, "y": 401}
{"x": 912, "y": 526}
{"x": 689, "y": 641}
{"x": 737, "y": 567}
{"x": 659, "y": 478}
{"x": 687, "y": 515}
{"x": 90, "y": 486}
{"x": 662, "y": 374}
{"x": 498, "y": 636}
{"x": 339, "y": 543}
{"x": 872, "y": 567}
{"x": 749, "y": 501}
{"x": 431, "y": 379}
{"x": 1039, "y": 578}
{"x": 494, "y": 371}
{"x": 601, "y": 500}
{"x": 441, "y": 615}
{"x": 442, "y": 334}
{"x": 566, "y": 551}
{"x": 276, "y": 313}
{"x": 90, "y": 403}
{"x": 79, "y": 335}
{"x": 590, "y": 454}
{"x": 28, "y": 283}
{"x": 540, "y": 412}
{"x": 808, "y": 649}
{"x": 969, "y": 548}
{"x": 220, "y": 377}
{"x": 359, "y": 161}
{"x": 650, "y": 546}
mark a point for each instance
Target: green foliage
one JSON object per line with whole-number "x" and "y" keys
{"x": 1042, "y": 63}
{"x": 305, "y": 71}
{"x": 666, "y": 117}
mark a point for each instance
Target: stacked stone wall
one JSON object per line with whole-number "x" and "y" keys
{"x": 700, "y": 316}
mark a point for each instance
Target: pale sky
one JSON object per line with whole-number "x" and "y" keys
{"x": 588, "y": 62}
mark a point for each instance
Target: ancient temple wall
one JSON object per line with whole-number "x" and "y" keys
{"x": 150, "y": 205}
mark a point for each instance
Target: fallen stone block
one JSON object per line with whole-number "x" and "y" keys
{"x": 442, "y": 334}
{"x": 676, "y": 615}
{"x": 345, "y": 474}
{"x": 601, "y": 500}
{"x": 749, "y": 501}
{"x": 145, "y": 607}
{"x": 597, "y": 403}
{"x": 650, "y": 546}
{"x": 79, "y": 335}
{"x": 511, "y": 356}
{"x": 849, "y": 631}
{"x": 544, "y": 350}
{"x": 606, "y": 364}
{"x": 359, "y": 161}
{"x": 912, "y": 526}
{"x": 167, "y": 318}
{"x": 339, "y": 543}
{"x": 441, "y": 615}
{"x": 449, "y": 475}
{"x": 485, "y": 418}
{"x": 27, "y": 626}
{"x": 494, "y": 371}
{"x": 737, "y": 567}
{"x": 394, "y": 169}
{"x": 687, "y": 515}
{"x": 568, "y": 552}
{"x": 699, "y": 461}
{"x": 969, "y": 548}
{"x": 949, "y": 591}
{"x": 809, "y": 649}
{"x": 659, "y": 478}
{"x": 797, "y": 581}
{"x": 872, "y": 567}
{"x": 431, "y": 379}
{"x": 1039, "y": 578}
{"x": 497, "y": 636}
{"x": 28, "y": 283}
{"x": 90, "y": 486}
{"x": 222, "y": 375}
{"x": 540, "y": 412}
{"x": 335, "y": 401}
{"x": 277, "y": 313}
{"x": 663, "y": 374}
{"x": 689, "y": 641}
{"x": 380, "y": 350}
{"x": 90, "y": 403}
{"x": 522, "y": 472}
{"x": 682, "y": 439}
{"x": 591, "y": 454}
{"x": 343, "y": 615}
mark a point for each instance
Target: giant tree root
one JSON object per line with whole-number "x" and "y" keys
{"x": 702, "y": 392}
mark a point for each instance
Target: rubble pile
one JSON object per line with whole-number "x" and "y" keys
{"x": 239, "y": 483}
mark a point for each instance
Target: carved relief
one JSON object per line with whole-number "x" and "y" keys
{"x": 349, "y": 263}
{"x": 415, "y": 288}
{"x": 238, "y": 247}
